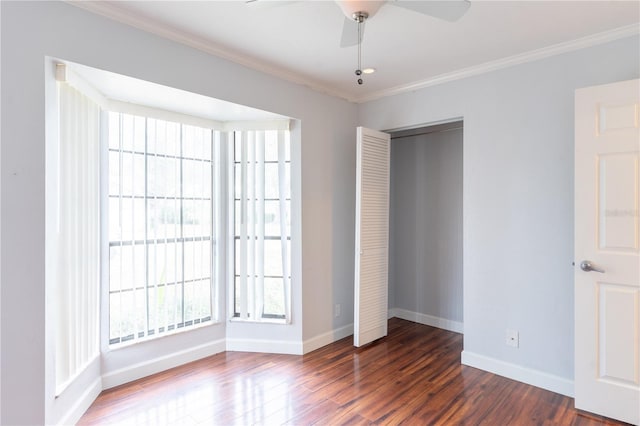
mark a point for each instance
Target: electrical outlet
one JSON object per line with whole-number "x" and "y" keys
{"x": 513, "y": 338}
{"x": 337, "y": 309}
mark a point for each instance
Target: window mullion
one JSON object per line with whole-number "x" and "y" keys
{"x": 181, "y": 223}
{"x": 121, "y": 225}
{"x": 146, "y": 228}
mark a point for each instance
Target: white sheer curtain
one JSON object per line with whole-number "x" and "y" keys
{"x": 77, "y": 254}
{"x": 262, "y": 232}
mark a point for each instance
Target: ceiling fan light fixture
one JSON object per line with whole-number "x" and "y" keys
{"x": 351, "y": 7}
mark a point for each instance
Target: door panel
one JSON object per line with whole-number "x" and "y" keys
{"x": 618, "y": 343}
{"x": 607, "y": 233}
{"x": 372, "y": 236}
{"x": 617, "y": 228}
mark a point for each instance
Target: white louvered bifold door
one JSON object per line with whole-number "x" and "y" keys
{"x": 372, "y": 236}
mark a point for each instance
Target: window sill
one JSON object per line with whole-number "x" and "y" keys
{"x": 151, "y": 338}
{"x": 280, "y": 321}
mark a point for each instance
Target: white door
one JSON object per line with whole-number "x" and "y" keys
{"x": 372, "y": 236}
{"x": 607, "y": 239}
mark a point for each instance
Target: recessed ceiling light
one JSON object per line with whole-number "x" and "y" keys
{"x": 369, "y": 70}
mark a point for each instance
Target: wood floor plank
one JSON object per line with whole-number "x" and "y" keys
{"x": 413, "y": 376}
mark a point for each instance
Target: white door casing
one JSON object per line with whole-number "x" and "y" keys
{"x": 607, "y": 234}
{"x": 372, "y": 236}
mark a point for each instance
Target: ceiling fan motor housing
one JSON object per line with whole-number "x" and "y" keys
{"x": 353, "y": 8}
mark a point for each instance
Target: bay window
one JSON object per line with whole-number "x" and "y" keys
{"x": 164, "y": 224}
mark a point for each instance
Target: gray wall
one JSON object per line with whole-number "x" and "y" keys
{"x": 518, "y": 197}
{"x": 518, "y": 180}
{"x": 426, "y": 224}
{"x": 31, "y": 31}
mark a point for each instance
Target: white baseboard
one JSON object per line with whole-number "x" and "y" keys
{"x": 327, "y": 338}
{"x": 163, "y": 363}
{"x": 522, "y": 374}
{"x": 83, "y": 403}
{"x": 445, "y": 324}
{"x": 264, "y": 346}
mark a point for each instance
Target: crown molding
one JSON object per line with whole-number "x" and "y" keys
{"x": 533, "y": 55}
{"x": 113, "y": 12}
{"x": 109, "y": 10}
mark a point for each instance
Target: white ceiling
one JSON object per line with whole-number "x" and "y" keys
{"x": 300, "y": 40}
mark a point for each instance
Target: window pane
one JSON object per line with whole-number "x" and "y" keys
{"x": 126, "y": 215}
{"x": 271, "y": 184}
{"x": 139, "y": 134}
{"x": 165, "y": 264}
{"x": 237, "y": 294}
{"x": 154, "y": 219}
{"x": 126, "y": 174}
{"x": 140, "y": 303}
{"x": 138, "y": 219}
{"x": 190, "y": 301}
{"x": 272, "y": 258}
{"x": 237, "y": 146}
{"x": 272, "y": 218}
{"x": 126, "y": 267}
{"x": 287, "y": 180}
{"x": 237, "y": 269}
{"x": 204, "y": 297}
{"x": 114, "y": 219}
{"x": 196, "y": 218}
{"x": 138, "y": 175}
{"x": 127, "y": 320}
{"x": 163, "y": 176}
{"x": 154, "y": 312}
{"x": 207, "y": 143}
{"x": 273, "y": 297}
{"x": 271, "y": 146}
{"x": 152, "y": 139}
{"x": 237, "y": 215}
{"x": 196, "y": 260}
{"x": 196, "y": 177}
{"x": 196, "y": 143}
{"x": 287, "y": 146}
{"x": 165, "y": 138}
{"x": 189, "y": 147}
{"x": 115, "y": 316}
{"x": 139, "y": 263}
{"x": 114, "y": 268}
{"x": 163, "y": 218}
{"x": 237, "y": 170}
{"x": 114, "y": 172}
{"x": 126, "y": 127}
{"x": 114, "y": 130}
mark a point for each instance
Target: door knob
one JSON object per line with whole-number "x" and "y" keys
{"x": 587, "y": 266}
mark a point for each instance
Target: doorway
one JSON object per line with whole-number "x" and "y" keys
{"x": 425, "y": 225}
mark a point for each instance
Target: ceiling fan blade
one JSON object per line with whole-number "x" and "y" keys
{"x": 448, "y": 10}
{"x": 350, "y": 33}
{"x": 267, "y": 4}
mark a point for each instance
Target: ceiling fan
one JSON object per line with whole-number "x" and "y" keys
{"x": 359, "y": 11}
{"x": 356, "y": 13}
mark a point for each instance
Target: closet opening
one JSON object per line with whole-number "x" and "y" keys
{"x": 425, "y": 225}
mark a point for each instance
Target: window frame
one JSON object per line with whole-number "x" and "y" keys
{"x": 216, "y": 237}
{"x": 232, "y": 275}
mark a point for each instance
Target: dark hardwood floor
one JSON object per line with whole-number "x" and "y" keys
{"x": 413, "y": 377}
